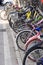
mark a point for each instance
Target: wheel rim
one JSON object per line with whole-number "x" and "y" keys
{"x": 25, "y": 36}
{"x": 3, "y": 15}
{"x": 19, "y": 42}
{"x": 36, "y": 55}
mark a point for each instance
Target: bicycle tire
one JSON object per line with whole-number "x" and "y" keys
{"x": 9, "y": 15}
{"x": 10, "y": 23}
{"x": 29, "y": 51}
{"x": 8, "y": 18}
{"x": 25, "y": 37}
{"x": 20, "y": 26}
{"x": 1, "y": 16}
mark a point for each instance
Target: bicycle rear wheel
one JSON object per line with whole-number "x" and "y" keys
{"x": 37, "y": 53}
{"x": 11, "y": 18}
{"x": 17, "y": 27}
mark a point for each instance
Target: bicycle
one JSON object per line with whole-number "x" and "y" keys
{"x": 19, "y": 25}
{"x": 16, "y": 24}
{"x": 7, "y": 8}
{"x": 13, "y": 16}
{"x": 23, "y": 36}
{"x": 35, "y": 38}
{"x": 33, "y": 55}
{"x": 33, "y": 14}
{"x": 20, "y": 17}
{"x": 38, "y": 53}
{"x": 31, "y": 26}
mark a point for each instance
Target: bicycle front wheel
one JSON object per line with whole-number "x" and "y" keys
{"x": 35, "y": 52}
{"x": 3, "y": 15}
{"x": 22, "y": 37}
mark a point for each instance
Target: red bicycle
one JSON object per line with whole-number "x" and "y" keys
{"x": 34, "y": 39}
{"x": 24, "y": 35}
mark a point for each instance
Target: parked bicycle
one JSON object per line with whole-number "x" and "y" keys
{"x": 36, "y": 51}
{"x": 22, "y": 24}
{"x": 23, "y": 36}
{"x": 7, "y": 8}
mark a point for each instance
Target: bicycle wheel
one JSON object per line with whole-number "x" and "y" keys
{"x": 26, "y": 35}
{"x": 9, "y": 20}
{"x": 10, "y": 23}
{"x": 3, "y": 15}
{"x": 11, "y": 15}
{"x": 37, "y": 53}
{"x": 20, "y": 25}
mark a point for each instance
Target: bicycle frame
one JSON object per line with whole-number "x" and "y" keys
{"x": 30, "y": 40}
{"x": 38, "y": 23}
{"x": 35, "y": 37}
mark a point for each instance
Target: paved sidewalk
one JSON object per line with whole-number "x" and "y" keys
{"x": 9, "y": 52}
{"x": 11, "y": 55}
